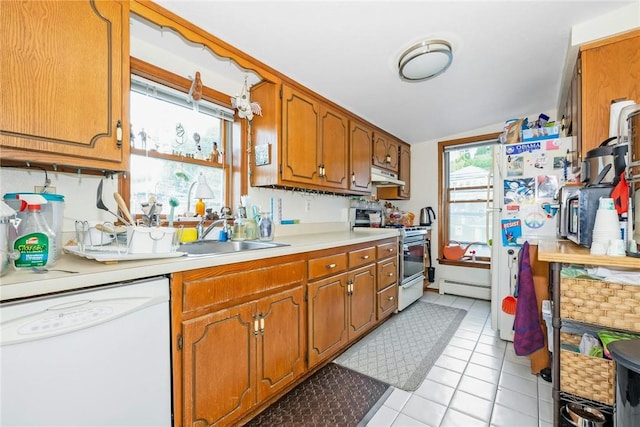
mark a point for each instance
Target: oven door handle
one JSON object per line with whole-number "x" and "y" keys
{"x": 414, "y": 281}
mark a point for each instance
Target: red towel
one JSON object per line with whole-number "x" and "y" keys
{"x": 528, "y": 336}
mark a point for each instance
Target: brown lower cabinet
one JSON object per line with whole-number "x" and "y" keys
{"x": 238, "y": 335}
{"x": 241, "y": 332}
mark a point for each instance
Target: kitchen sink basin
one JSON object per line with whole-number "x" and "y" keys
{"x": 213, "y": 247}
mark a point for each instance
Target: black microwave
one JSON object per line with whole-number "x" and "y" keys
{"x": 581, "y": 211}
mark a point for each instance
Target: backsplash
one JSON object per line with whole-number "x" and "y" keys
{"x": 79, "y": 192}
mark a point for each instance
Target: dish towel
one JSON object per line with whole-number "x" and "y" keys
{"x": 528, "y": 336}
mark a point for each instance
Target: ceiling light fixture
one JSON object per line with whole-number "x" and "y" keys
{"x": 425, "y": 60}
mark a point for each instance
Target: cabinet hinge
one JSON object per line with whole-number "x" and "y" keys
{"x": 180, "y": 343}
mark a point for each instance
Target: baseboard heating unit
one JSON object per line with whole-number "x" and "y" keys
{"x": 465, "y": 289}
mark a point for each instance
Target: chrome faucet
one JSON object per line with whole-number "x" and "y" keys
{"x": 202, "y": 232}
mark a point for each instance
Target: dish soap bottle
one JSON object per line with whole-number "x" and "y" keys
{"x": 36, "y": 242}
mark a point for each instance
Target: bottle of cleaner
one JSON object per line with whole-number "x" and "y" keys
{"x": 36, "y": 242}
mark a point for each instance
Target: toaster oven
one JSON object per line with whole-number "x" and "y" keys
{"x": 582, "y": 208}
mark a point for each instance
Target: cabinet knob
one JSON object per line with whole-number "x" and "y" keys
{"x": 332, "y": 265}
{"x": 365, "y": 257}
{"x": 391, "y": 298}
{"x": 391, "y": 250}
{"x": 390, "y": 274}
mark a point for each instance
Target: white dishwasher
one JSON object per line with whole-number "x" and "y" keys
{"x": 98, "y": 357}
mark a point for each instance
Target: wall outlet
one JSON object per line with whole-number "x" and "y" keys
{"x": 307, "y": 205}
{"x": 40, "y": 189}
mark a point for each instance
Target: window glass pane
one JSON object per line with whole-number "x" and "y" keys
{"x": 167, "y": 178}
{"x": 467, "y": 195}
{"x": 172, "y": 129}
{"x": 170, "y": 125}
{"x": 467, "y": 208}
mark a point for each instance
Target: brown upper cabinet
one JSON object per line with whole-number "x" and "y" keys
{"x": 607, "y": 69}
{"x": 314, "y": 142}
{"x": 65, "y": 83}
{"x": 385, "y": 152}
{"x": 402, "y": 192}
{"x": 360, "y": 137}
{"x": 315, "y": 146}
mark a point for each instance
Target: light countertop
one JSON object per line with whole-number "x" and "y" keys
{"x": 568, "y": 252}
{"x": 25, "y": 283}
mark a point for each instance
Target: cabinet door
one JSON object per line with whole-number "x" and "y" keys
{"x": 387, "y": 301}
{"x": 218, "y": 359}
{"x": 362, "y": 300}
{"x": 301, "y": 156}
{"x": 334, "y": 134}
{"x": 327, "y": 309}
{"x": 281, "y": 347}
{"x": 405, "y": 171}
{"x": 387, "y": 272}
{"x": 360, "y": 157}
{"x": 63, "y": 95}
{"x": 385, "y": 152}
{"x": 610, "y": 70}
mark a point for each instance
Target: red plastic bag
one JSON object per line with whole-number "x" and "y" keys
{"x": 620, "y": 195}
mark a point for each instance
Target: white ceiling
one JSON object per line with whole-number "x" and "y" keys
{"x": 509, "y": 56}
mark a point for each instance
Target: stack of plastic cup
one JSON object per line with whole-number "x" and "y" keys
{"x": 605, "y": 228}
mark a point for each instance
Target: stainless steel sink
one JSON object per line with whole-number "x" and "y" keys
{"x": 213, "y": 247}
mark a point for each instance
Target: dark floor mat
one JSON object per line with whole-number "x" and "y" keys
{"x": 333, "y": 396}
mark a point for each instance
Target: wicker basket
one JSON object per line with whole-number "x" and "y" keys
{"x": 586, "y": 376}
{"x": 600, "y": 303}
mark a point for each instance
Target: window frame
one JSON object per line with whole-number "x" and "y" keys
{"x": 176, "y": 82}
{"x": 443, "y": 197}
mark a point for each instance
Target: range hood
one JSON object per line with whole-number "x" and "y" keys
{"x": 383, "y": 178}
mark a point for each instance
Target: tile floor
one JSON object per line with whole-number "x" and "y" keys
{"x": 477, "y": 381}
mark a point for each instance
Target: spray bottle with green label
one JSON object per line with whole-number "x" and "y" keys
{"x": 36, "y": 241}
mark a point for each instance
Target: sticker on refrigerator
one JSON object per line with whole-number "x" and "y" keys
{"x": 547, "y": 186}
{"x": 512, "y": 149}
{"x": 511, "y": 231}
{"x": 515, "y": 166}
{"x": 519, "y": 190}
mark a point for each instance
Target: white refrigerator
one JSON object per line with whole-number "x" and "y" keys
{"x": 526, "y": 180}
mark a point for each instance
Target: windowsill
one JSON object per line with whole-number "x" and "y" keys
{"x": 466, "y": 263}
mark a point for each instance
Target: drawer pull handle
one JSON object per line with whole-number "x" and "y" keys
{"x": 390, "y": 249}
{"x": 365, "y": 257}
{"x": 390, "y": 298}
{"x": 332, "y": 265}
{"x": 390, "y": 274}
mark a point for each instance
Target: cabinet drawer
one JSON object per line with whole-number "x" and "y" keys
{"x": 387, "y": 301}
{"x": 387, "y": 273}
{"x": 232, "y": 284}
{"x": 327, "y": 265}
{"x": 387, "y": 249}
{"x": 362, "y": 257}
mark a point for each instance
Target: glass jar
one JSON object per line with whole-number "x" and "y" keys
{"x": 251, "y": 229}
{"x": 265, "y": 227}
{"x": 239, "y": 227}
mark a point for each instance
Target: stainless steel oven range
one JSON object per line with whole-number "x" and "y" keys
{"x": 413, "y": 244}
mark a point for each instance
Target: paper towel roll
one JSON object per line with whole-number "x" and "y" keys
{"x": 616, "y": 107}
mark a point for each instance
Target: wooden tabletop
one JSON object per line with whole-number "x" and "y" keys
{"x": 568, "y": 252}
